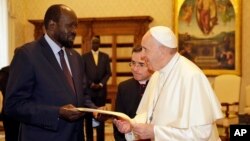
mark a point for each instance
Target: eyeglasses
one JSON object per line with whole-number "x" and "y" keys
{"x": 137, "y": 64}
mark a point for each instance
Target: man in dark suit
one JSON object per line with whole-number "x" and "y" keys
{"x": 97, "y": 69}
{"x": 130, "y": 91}
{"x": 11, "y": 126}
{"x": 45, "y": 88}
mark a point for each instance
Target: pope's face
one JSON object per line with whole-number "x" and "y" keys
{"x": 151, "y": 52}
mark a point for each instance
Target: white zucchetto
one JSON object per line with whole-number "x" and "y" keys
{"x": 164, "y": 35}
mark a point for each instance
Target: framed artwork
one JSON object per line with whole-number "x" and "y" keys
{"x": 208, "y": 33}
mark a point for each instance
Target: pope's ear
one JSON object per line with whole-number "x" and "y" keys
{"x": 51, "y": 25}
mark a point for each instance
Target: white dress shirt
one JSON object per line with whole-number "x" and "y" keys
{"x": 55, "y": 48}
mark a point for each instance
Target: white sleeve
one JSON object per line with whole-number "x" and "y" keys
{"x": 130, "y": 136}
{"x": 197, "y": 133}
{"x": 167, "y": 133}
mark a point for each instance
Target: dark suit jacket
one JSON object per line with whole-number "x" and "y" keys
{"x": 11, "y": 126}
{"x": 129, "y": 95}
{"x": 37, "y": 88}
{"x": 99, "y": 73}
{"x": 4, "y": 75}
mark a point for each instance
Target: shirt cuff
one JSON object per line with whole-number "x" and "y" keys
{"x": 101, "y": 84}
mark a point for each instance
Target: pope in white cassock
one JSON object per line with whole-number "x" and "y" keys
{"x": 179, "y": 103}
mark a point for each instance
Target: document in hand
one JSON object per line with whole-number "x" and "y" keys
{"x": 117, "y": 115}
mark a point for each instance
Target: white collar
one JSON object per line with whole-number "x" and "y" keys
{"x": 95, "y": 52}
{"x": 55, "y": 48}
{"x": 167, "y": 68}
{"x": 143, "y": 81}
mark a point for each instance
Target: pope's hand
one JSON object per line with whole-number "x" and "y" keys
{"x": 144, "y": 131}
{"x": 122, "y": 126}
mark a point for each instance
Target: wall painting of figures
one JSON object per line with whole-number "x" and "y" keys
{"x": 209, "y": 34}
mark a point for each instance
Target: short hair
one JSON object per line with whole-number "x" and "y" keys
{"x": 96, "y": 36}
{"x": 136, "y": 49}
{"x": 53, "y": 13}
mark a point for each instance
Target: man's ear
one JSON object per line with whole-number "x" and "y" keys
{"x": 51, "y": 25}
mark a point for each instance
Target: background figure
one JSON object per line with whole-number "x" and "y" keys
{"x": 11, "y": 126}
{"x": 187, "y": 13}
{"x": 46, "y": 82}
{"x": 206, "y": 15}
{"x": 97, "y": 69}
{"x": 178, "y": 103}
{"x": 130, "y": 91}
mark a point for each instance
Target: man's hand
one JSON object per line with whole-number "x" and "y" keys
{"x": 69, "y": 112}
{"x": 95, "y": 86}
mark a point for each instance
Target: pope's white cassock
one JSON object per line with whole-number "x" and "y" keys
{"x": 181, "y": 104}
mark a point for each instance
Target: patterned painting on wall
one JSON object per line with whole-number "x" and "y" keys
{"x": 209, "y": 34}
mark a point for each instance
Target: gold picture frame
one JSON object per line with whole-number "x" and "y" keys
{"x": 208, "y": 33}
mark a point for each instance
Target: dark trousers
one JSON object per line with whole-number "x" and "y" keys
{"x": 89, "y": 129}
{"x": 99, "y": 98}
{"x": 11, "y": 127}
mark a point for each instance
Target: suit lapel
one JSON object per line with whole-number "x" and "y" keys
{"x": 99, "y": 58}
{"x": 49, "y": 55}
{"x": 93, "y": 60}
